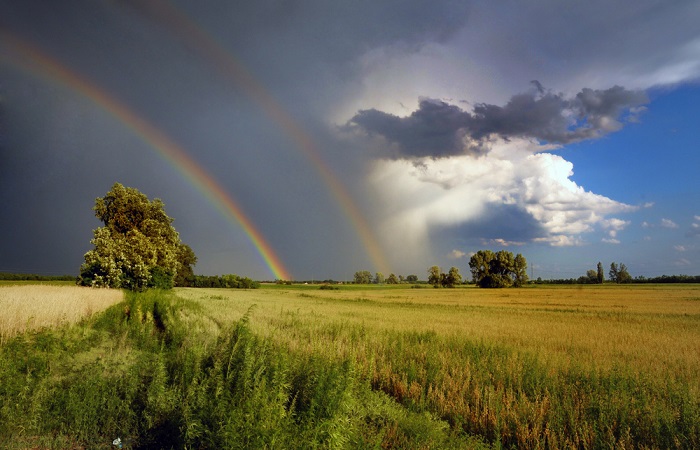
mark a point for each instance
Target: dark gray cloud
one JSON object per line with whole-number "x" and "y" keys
{"x": 438, "y": 129}
{"x": 62, "y": 147}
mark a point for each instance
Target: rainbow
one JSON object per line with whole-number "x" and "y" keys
{"x": 36, "y": 62}
{"x": 237, "y": 73}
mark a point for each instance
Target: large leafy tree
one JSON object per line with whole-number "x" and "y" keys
{"x": 499, "y": 269}
{"x": 137, "y": 247}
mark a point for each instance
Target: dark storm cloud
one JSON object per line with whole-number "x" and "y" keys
{"x": 62, "y": 149}
{"x": 438, "y": 129}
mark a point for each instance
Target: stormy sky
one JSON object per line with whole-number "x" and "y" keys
{"x": 367, "y": 135}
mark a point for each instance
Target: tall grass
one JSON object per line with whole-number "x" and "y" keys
{"x": 135, "y": 373}
{"x": 530, "y": 368}
{"x": 29, "y": 307}
{"x": 465, "y": 368}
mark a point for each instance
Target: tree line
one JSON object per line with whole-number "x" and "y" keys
{"x": 7, "y": 276}
{"x": 138, "y": 248}
{"x": 488, "y": 269}
{"x": 366, "y": 277}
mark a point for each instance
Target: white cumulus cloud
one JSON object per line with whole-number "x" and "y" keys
{"x": 668, "y": 223}
{"x": 509, "y": 196}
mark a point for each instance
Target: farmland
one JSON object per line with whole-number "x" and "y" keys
{"x": 365, "y": 367}
{"x": 33, "y": 306}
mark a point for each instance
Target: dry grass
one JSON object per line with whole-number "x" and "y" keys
{"x": 651, "y": 327}
{"x": 30, "y": 307}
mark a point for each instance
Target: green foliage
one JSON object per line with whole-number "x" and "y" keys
{"x": 434, "y": 276}
{"x": 392, "y": 279}
{"x": 499, "y": 269}
{"x": 363, "y": 277}
{"x": 446, "y": 280}
{"x": 619, "y": 274}
{"x": 136, "y": 243}
{"x": 136, "y": 373}
{"x": 225, "y": 281}
{"x": 329, "y": 287}
{"x": 6, "y": 276}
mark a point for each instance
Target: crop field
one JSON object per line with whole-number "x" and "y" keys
{"x": 26, "y": 307}
{"x": 364, "y": 367}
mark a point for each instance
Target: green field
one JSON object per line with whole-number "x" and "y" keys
{"x": 364, "y": 367}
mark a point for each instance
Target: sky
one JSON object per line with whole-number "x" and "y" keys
{"x": 309, "y": 139}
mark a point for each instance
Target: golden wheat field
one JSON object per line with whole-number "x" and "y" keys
{"x": 30, "y": 307}
{"x": 653, "y": 328}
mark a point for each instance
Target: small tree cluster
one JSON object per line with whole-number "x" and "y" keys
{"x": 440, "y": 279}
{"x": 593, "y": 276}
{"x": 619, "y": 274}
{"x": 363, "y": 277}
{"x": 392, "y": 279}
{"x": 366, "y": 277}
{"x": 499, "y": 269}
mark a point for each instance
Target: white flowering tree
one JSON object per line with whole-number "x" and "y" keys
{"x": 137, "y": 247}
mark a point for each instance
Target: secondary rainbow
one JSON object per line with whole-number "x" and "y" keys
{"x": 237, "y": 73}
{"x": 37, "y": 62}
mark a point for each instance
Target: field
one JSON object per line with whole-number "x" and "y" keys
{"x": 26, "y": 307}
{"x": 364, "y": 367}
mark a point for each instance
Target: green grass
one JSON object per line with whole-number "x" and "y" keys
{"x": 156, "y": 373}
{"x": 598, "y": 367}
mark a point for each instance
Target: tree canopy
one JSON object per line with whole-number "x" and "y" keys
{"x": 441, "y": 279}
{"x": 499, "y": 269}
{"x": 137, "y": 247}
{"x": 619, "y": 274}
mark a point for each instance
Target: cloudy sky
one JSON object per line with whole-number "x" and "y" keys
{"x": 317, "y": 138}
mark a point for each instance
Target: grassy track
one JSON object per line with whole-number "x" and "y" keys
{"x": 279, "y": 367}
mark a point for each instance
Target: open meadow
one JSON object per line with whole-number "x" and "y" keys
{"x": 364, "y": 367}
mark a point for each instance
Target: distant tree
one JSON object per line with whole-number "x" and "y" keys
{"x": 619, "y": 274}
{"x": 496, "y": 270}
{"x": 137, "y": 247}
{"x": 379, "y": 278}
{"x": 363, "y": 277}
{"x": 392, "y": 279}
{"x": 519, "y": 271}
{"x": 623, "y": 276}
{"x": 412, "y": 278}
{"x": 434, "y": 276}
{"x": 480, "y": 266}
{"x": 600, "y": 277}
{"x": 453, "y": 278}
{"x": 614, "y": 273}
{"x": 591, "y": 277}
